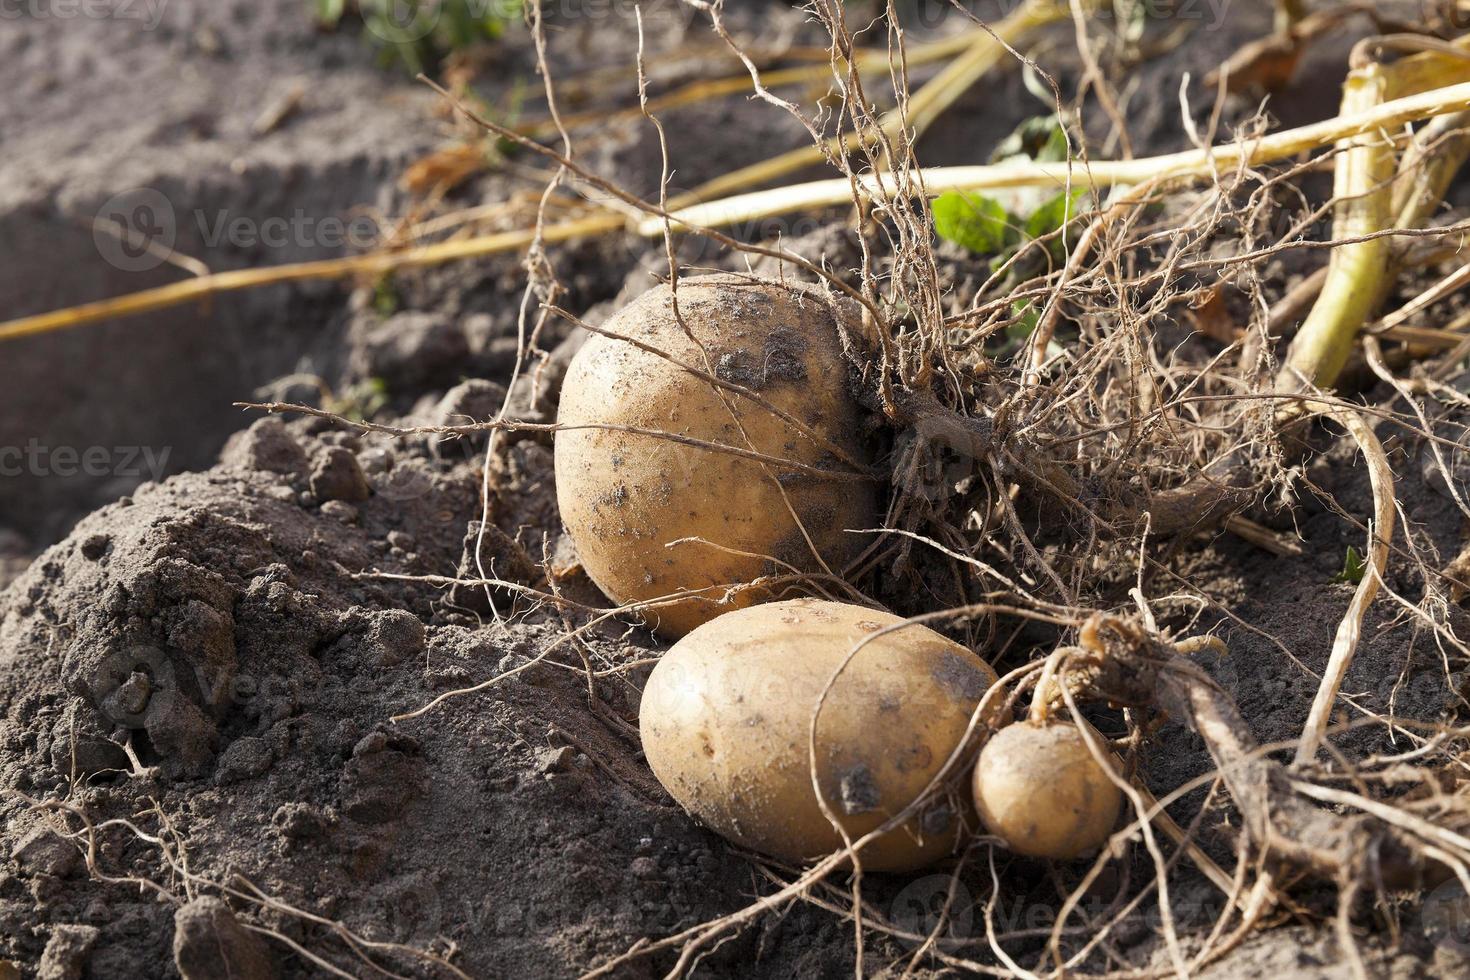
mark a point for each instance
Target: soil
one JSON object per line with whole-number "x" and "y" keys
{"x": 205, "y": 669}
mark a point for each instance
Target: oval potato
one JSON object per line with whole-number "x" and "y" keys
{"x": 625, "y": 497}
{"x": 1039, "y": 789}
{"x": 726, "y": 716}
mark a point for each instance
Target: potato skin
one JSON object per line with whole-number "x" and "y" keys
{"x": 625, "y": 496}
{"x": 1039, "y": 789}
{"x": 726, "y": 715}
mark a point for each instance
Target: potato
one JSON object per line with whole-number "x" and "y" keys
{"x": 1038, "y": 788}
{"x": 726, "y": 715}
{"x": 625, "y": 496}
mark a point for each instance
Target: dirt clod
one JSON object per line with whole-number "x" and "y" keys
{"x": 555, "y": 759}
{"x": 336, "y": 475}
{"x": 210, "y": 943}
{"x": 267, "y": 446}
{"x": 409, "y": 350}
{"x": 45, "y": 852}
{"x": 67, "y": 951}
{"x": 394, "y": 636}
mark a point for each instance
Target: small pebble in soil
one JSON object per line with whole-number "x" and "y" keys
{"x": 375, "y": 461}
{"x": 344, "y": 512}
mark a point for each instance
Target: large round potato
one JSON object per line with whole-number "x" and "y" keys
{"x": 1039, "y": 789}
{"x": 625, "y": 497}
{"x": 726, "y": 715}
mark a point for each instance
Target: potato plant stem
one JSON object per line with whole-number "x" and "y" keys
{"x": 869, "y": 61}
{"x": 1369, "y": 200}
{"x": 1187, "y": 165}
{"x": 373, "y": 264}
{"x": 1350, "y": 628}
{"x": 1363, "y": 186}
{"x": 1288, "y": 14}
{"x": 937, "y": 95}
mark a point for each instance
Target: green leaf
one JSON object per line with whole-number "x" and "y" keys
{"x": 329, "y": 12}
{"x": 1056, "y": 149}
{"x": 418, "y": 34}
{"x": 385, "y": 296}
{"x": 980, "y": 224}
{"x": 1041, "y": 138}
{"x": 1354, "y": 565}
{"x": 1027, "y": 317}
{"x": 359, "y": 402}
{"x": 1055, "y": 213}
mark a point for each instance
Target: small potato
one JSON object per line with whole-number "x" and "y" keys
{"x": 726, "y": 717}
{"x": 626, "y": 497}
{"x": 1039, "y": 789}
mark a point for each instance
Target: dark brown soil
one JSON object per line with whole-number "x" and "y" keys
{"x": 247, "y": 628}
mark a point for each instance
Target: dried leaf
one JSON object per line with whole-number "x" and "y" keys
{"x": 444, "y": 169}
{"x": 1211, "y": 316}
